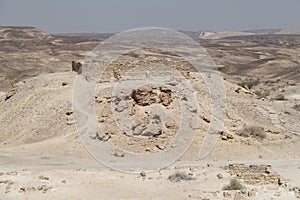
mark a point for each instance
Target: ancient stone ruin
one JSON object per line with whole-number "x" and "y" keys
{"x": 148, "y": 95}
{"x": 254, "y": 174}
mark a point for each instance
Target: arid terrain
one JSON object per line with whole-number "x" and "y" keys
{"x": 256, "y": 154}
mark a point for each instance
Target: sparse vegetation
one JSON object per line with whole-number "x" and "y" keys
{"x": 179, "y": 176}
{"x": 279, "y": 97}
{"x": 220, "y": 68}
{"x": 262, "y": 93}
{"x": 12, "y": 83}
{"x": 249, "y": 83}
{"x": 271, "y": 83}
{"x": 253, "y": 131}
{"x": 297, "y": 107}
{"x": 234, "y": 185}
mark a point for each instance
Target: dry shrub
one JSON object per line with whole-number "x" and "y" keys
{"x": 279, "y": 97}
{"x": 178, "y": 176}
{"x": 297, "y": 107}
{"x": 262, "y": 93}
{"x": 253, "y": 131}
{"x": 249, "y": 83}
{"x": 234, "y": 185}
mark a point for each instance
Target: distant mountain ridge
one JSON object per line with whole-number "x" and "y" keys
{"x": 28, "y": 32}
{"x": 225, "y": 34}
{"x": 22, "y": 32}
{"x": 28, "y": 51}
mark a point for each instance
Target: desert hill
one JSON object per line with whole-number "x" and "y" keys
{"x": 35, "y": 52}
{"x": 22, "y": 33}
{"x": 43, "y": 156}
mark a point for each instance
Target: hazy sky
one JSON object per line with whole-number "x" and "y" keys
{"x": 57, "y": 16}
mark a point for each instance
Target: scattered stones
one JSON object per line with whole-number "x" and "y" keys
{"x": 220, "y": 176}
{"x": 22, "y": 189}
{"x": 243, "y": 192}
{"x": 280, "y": 183}
{"x": 240, "y": 196}
{"x": 143, "y": 174}
{"x": 243, "y": 90}
{"x": 238, "y": 90}
{"x": 291, "y": 83}
{"x": 121, "y": 106}
{"x": 119, "y": 153}
{"x": 13, "y": 173}
{"x": 147, "y": 95}
{"x": 69, "y": 113}
{"x": 161, "y": 146}
{"x": 10, "y": 94}
{"x": 165, "y": 96}
{"x": 64, "y": 84}
{"x": 251, "y": 193}
{"x": 43, "y": 178}
{"x": 226, "y": 136}
{"x": 268, "y": 170}
{"x": 152, "y": 131}
{"x": 227, "y": 194}
{"x": 205, "y": 119}
{"x": 42, "y": 188}
{"x": 277, "y": 194}
{"x": 170, "y": 123}
{"x": 296, "y": 191}
{"x": 70, "y": 122}
{"x": 98, "y": 100}
{"x": 69, "y": 118}
{"x": 105, "y": 137}
{"x": 6, "y": 182}
{"x": 117, "y": 74}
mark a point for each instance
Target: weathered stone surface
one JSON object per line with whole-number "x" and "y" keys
{"x": 254, "y": 174}
{"x": 227, "y": 194}
{"x": 220, "y": 176}
{"x": 148, "y": 95}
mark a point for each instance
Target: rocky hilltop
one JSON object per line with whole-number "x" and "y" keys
{"x": 256, "y": 154}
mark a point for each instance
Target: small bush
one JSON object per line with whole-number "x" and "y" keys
{"x": 297, "y": 107}
{"x": 220, "y": 68}
{"x": 270, "y": 82}
{"x": 234, "y": 185}
{"x": 280, "y": 97}
{"x": 261, "y": 93}
{"x": 253, "y": 131}
{"x": 249, "y": 83}
{"x": 178, "y": 176}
